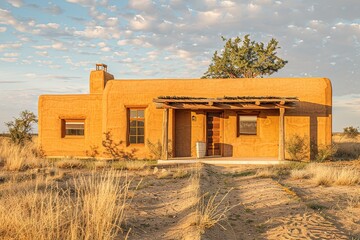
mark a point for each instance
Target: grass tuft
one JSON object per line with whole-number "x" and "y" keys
{"x": 87, "y": 207}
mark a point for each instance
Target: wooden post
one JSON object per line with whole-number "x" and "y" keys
{"x": 281, "y": 135}
{"x": 165, "y": 129}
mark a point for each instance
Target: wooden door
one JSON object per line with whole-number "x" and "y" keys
{"x": 213, "y": 133}
{"x": 182, "y": 133}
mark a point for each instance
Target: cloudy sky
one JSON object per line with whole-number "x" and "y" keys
{"x": 50, "y": 47}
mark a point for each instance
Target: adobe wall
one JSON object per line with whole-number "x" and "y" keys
{"x": 106, "y": 110}
{"x": 311, "y": 118}
{"x": 54, "y": 108}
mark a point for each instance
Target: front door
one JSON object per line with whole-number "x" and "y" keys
{"x": 213, "y": 133}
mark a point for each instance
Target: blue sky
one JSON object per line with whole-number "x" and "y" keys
{"x": 50, "y": 47}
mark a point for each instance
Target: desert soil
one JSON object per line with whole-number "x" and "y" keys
{"x": 263, "y": 208}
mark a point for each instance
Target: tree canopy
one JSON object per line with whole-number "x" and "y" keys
{"x": 20, "y": 128}
{"x": 245, "y": 59}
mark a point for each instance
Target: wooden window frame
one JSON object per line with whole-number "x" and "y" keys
{"x": 239, "y": 115}
{"x": 129, "y": 119}
{"x": 63, "y": 128}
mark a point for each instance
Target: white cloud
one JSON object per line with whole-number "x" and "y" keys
{"x": 83, "y": 2}
{"x": 102, "y": 44}
{"x": 143, "y": 5}
{"x": 106, "y": 49}
{"x": 16, "y": 3}
{"x": 92, "y": 32}
{"x": 11, "y": 54}
{"x": 6, "y": 46}
{"x": 43, "y": 53}
{"x": 58, "y": 46}
{"x": 9, "y": 59}
{"x": 112, "y": 21}
{"x": 2, "y": 29}
{"x": 227, "y": 4}
{"x": 48, "y": 26}
{"x": 55, "y": 45}
{"x": 139, "y": 23}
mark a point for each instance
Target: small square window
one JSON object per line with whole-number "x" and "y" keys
{"x": 73, "y": 128}
{"x": 247, "y": 125}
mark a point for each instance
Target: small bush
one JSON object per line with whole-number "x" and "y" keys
{"x": 300, "y": 174}
{"x": 180, "y": 173}
{"x": 325, "y": 152}
{"x": 115, "y": 149}
{"x": 347, "y": 151}
{"x": 297, "y": 148}
{"x": 20, "y": 129}
{"x": 71, "y": 163}
{"x": 156, "y": 149}
{"x": 351, "y": 132}
{"x": 266, "y": 173}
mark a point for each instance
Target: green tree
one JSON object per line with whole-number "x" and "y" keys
{"x": 351, "y": 132}
{"x": 245, "y": 59}
{"x": 20, "y": 129}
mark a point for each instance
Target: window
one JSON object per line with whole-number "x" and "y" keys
{"x": 73, "y": 128}
{"x": 136, "y": 126}
{"x": 247, "y": 125}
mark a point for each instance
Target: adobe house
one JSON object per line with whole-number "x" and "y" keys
{"x": 233, "y": 117}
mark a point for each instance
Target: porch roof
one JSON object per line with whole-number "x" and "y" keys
{"x": 226, "y": 102}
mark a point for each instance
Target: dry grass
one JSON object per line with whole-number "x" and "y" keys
{"x": 326, "y": 175}
{"x": 211, "y": 210}
{"x": 300, "y": 174}
{"x": 70, "y": 163}
{"x": 180, "y": 173}
{"x": 15, "y": 157}
{"x": 163, "y": 174}
{"x": 130, "y": 165}
{"x": 266, "y": 172}
{"x": 353, "y": 200}
{"x": 92, "y": 207}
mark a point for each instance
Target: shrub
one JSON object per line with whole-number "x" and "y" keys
{"x": 156, "y": 149}
{"x": 70, "y": 163}
{"x": 325, "y": 152}
{"x": 297, "y": 148}
{"x": 115, "y": 150}
{"x": 20, "y": 129}
{"x": 351, "y": 132}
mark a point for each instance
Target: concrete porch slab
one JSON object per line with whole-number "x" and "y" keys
{"x": 223, "y": 161}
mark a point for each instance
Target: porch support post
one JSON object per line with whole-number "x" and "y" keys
{"x": 165, "y": 128}
{"x": 281, "y": 156}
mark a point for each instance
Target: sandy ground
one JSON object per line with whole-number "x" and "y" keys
{"x": 264, "y": 208}
{"x": 164, "y": 207}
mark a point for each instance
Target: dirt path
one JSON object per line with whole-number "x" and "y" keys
{"x": 267, "y": 211}
{"x": 163, "y": 209}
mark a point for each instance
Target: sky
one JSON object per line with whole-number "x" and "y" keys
{"x": 50, "y": 47}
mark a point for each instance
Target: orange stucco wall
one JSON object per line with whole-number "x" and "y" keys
{"x": 106, "y": 110}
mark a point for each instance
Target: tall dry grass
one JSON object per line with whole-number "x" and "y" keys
{"x": 87, "y": 207}
{"x": 328, "y": 175}
{"x": 15, "y": 157}
{"x": 212, "y": 210}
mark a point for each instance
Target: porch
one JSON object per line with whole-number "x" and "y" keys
{"x": 209, "y": 120}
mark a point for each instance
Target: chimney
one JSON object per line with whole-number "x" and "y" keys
{"x": 99, "y": 78}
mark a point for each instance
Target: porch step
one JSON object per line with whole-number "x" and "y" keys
{"x": 222, "y": 162}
